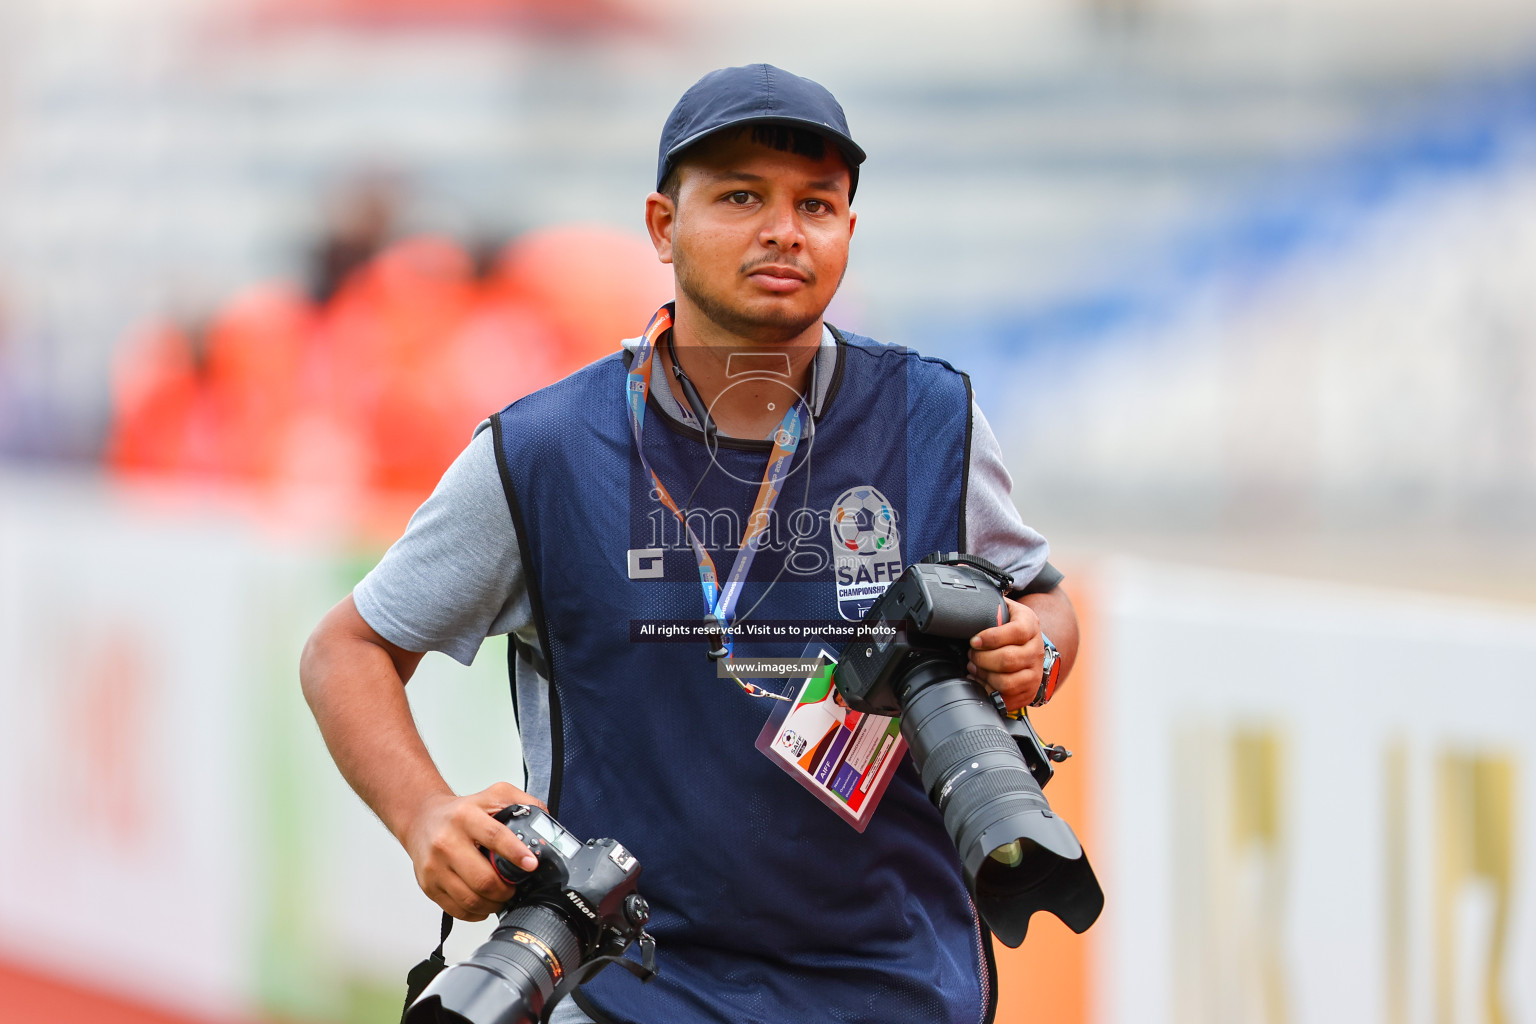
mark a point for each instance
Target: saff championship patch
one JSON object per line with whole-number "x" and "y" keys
{"x": 866, "y": 549}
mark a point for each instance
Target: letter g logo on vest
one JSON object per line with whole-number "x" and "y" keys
{"x": 645, "y": 563}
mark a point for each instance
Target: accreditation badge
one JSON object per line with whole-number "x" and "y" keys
{"x": 845, "y": 758}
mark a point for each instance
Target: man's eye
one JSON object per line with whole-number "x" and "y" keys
{"x": 817, "y": 206}
{"x": 739, "y": 198}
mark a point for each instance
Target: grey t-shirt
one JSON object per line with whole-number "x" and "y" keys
{"x": 456, "y": 576}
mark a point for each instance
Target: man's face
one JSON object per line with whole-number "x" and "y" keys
{"x": 758, "y": 237}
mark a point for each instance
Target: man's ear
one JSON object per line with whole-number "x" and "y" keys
{"x": 660, "y": 218}
{"x": 853, "y": 222}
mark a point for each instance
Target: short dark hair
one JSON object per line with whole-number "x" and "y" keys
{"x": 786, "y": 138}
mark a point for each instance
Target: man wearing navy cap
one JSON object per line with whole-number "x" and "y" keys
{"x": 738, "y": 431}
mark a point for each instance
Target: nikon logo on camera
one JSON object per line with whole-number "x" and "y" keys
{"x": 581, "y": 904}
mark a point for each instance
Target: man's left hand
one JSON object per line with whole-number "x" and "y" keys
{"x": 1008, "y": 658}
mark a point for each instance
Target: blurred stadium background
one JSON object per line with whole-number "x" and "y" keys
{"x": 1248, "y": 290}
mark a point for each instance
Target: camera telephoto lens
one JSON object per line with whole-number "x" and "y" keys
{"x": 1018, "y": 856}
{"x": 982, "y": 770}
{"x": 507, "y": 980}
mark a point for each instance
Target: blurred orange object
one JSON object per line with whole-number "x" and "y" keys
{"x": 506, "y": 350}
{"x": 251, "y": 377}
{"x": 224, "y": 414}
{"x": 370, "y": 397}
{"x": 396, "y": 309}
{"x": 155, "y": 392}
{"x": 28, "y": 996}
{"x": 384, "y": 337}
{"x": 563, "y": 15}
{"x": 596, "y": 285}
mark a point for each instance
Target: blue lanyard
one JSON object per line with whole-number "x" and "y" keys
{"x": 719, "y": 602}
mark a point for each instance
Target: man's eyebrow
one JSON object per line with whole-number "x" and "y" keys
{"x": 821, "y": 185}
{"x": 735, "y": 176}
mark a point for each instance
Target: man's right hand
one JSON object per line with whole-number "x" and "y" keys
{"x": 354, "y": 680}
{"x": 442, "y": 842}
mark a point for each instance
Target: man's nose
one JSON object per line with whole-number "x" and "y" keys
{"x": 781, "y": 228}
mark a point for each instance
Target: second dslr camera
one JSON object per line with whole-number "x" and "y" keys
{"x": 983, "y": 771}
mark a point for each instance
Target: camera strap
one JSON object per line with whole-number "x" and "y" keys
{"x": 645, "y": 970}
{"x": 719, "y": 602}
{"x": 422, "y": 974}
{"x": 1004, "y": 579}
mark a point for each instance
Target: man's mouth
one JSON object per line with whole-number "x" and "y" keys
{"x": 778, "y": 278}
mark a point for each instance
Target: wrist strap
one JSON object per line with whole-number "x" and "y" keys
{"x": 1050, "y": 676}
{"x": 422, "y": 974}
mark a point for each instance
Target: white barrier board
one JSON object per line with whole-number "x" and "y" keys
{"x": 1318, "y": 803}
{"x": 171, "y": 826}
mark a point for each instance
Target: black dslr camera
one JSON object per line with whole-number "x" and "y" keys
{"x": 573, "y": 915}
{"x": 983, "y": 770}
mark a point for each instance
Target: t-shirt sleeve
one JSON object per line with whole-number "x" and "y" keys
{"x": 456, "y": 575}
{"x": 993, "y": 527}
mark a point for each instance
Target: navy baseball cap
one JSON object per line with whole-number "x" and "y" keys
{"x": 755, "y": 94}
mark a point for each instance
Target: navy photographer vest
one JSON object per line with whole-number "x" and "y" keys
{"x": 765, "y": 905}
